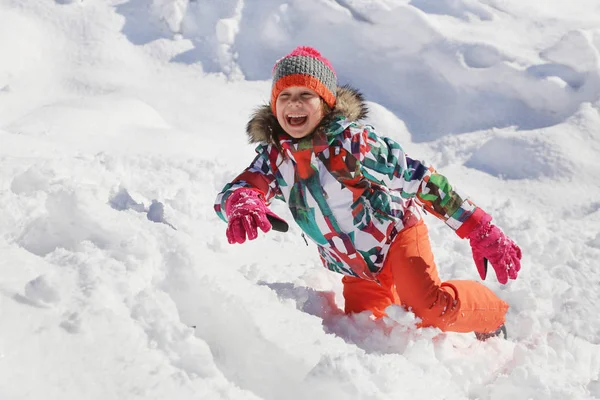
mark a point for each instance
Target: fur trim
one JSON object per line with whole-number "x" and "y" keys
{"x": 264, "y": 128}
{"x": 260, "y": 127}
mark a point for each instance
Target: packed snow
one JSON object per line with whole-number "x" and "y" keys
{"x": 120, "y": 120}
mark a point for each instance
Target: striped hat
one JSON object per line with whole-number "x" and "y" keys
{"x": 305, "y": 67}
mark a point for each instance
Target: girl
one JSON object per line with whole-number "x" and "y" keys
{"x": 359, "y": 197}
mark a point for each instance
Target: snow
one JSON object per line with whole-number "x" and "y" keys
{"x": 121, "y": 120}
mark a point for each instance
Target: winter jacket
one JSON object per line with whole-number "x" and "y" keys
{"x": 350, "y": 190}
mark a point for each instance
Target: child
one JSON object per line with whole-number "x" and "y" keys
{"x": 359, "y": 197}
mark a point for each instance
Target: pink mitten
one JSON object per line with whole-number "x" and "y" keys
{"x": 488, "y": 242}
{"x": 246, "y": 212}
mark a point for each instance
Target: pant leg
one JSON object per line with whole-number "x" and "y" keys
{"x": 361, "y": 294}
{"x": 458, "y": 306}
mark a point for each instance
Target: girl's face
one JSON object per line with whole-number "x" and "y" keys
{"x": 299, "y": 111}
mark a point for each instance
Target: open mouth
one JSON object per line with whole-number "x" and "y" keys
{"x": 296, "y": 120}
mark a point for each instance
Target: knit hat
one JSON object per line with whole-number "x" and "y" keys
{"x": 305, "y": 67}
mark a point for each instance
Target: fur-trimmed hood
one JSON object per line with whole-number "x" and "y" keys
{"x": 264, "y": 128}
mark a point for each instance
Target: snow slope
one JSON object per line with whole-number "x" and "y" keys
{"x": 108, "y": 105}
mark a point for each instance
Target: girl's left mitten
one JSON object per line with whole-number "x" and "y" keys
{"x": 488, "y": 242}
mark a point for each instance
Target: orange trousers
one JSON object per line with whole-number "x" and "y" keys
{"x": 409, "y": 278}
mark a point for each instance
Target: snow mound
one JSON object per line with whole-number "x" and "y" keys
{"x": 472, "y": 83}
{"x": 85, "y": 116}
{"x": 521, "y": 158}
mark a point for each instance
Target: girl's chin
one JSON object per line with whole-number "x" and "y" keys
{"x": 297, "y": 133}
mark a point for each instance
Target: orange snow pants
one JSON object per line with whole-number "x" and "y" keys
{"x": 409, "y": 278}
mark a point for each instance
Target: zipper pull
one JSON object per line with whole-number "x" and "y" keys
{"x": 304, "y": 237}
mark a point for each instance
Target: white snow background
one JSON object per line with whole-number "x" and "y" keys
{"x": 107, "y": 105}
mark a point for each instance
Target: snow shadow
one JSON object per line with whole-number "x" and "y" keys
{"x": 19, "y": 298}
{"x": 141, "y": 26}
{"x": 389, "y": 335}
{"x": 155, "y": 212}
{"x": 564, "y": 73}
{"x": 209, "y": 26}
{"x": 226, "y": 322}
{"x": 458, "y": 9}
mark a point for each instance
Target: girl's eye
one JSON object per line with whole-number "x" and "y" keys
{"x": 307, "y": 95}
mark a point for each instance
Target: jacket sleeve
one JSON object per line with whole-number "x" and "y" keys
{"x": 258, "y": 176}
{"x": 385, "y": 162}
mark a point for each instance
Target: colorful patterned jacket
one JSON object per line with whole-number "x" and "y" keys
{"x": 350, "y": 190}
